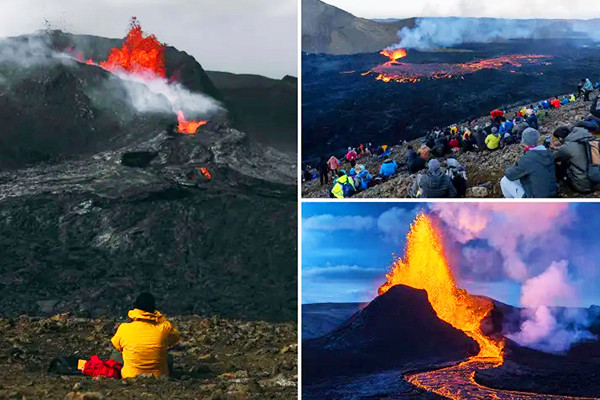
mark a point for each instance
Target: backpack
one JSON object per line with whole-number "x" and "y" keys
{"x": 593, "y": 153}
{"x": 459, "y": 180}
{"x": 347, "y": 188}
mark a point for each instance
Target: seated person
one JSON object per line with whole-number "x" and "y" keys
{"x": 414, "y": 163}
{"x": 343, "y": 186}
{"x": 144, "y": 342}
{"x": 572, "y": 157}
{"x": 533, "y": 176}
{"x": 388, "y": 168}
{"x": 434, "y": 183}
{"x": 363, "y": 178}
{"x": 492, "y": 141}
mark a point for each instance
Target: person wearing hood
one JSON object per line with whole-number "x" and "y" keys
{"x": 435, "y": 183}
{"x": 492, "y": 141}
{"x": 363, "y": 178}
{"x": 587, "y": 89}
{"x": 388, "y": 168}
{"x": 572, "y": 157}
{"x": 144, "y": 342}
{"x": 458, "y": 176}
{"x": 414, "y": 163}
{"x": 343, "y": 186}
{"x": 533, "y": 176}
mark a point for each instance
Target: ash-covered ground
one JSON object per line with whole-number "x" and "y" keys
{"x": 341, "y": 108}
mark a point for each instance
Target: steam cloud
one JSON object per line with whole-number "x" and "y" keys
{"x": 523, "y": 236}
{"x": 431, "y": 33}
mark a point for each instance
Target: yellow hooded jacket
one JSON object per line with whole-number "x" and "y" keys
{"x": 492, "y": 141}
{"x": 337, "y": 189}
{"x": 144, "y": 343}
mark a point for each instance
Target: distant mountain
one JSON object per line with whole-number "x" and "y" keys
{"x": 330, "y": 30}
{"x": 267, "y": 109}
{"x": 320, "y": 319}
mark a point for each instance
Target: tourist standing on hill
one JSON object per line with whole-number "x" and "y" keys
{"x": 587, "y": 89}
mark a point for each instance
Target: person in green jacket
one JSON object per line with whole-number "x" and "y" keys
{"x": 343, "y": 186}
{"x": 492, "y": 141}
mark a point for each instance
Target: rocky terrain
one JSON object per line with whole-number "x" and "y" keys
{"x": 328, "y": 29}
{"x": 215, "y": 359}
{"x": 484, "y": 169}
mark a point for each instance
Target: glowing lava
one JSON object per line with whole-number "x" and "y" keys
{"x": 185, "y": 126}
{"x": 425, "y": 267}
{"x": 142, "y": 56}
{"x": 394, "y": 71}
{"x": 139, "y": 55}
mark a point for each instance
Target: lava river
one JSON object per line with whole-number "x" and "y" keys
{"x": 424, "y": 266}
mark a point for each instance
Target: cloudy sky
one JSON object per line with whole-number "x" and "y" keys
{"x": 241, "y": 36}
{"x": 348, "y": 247}
{"x": 468, "y": 8}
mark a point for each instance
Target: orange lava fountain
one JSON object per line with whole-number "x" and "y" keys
{"x": 393, "y": 54}
{"x": 425, "y": 267}
{"x": 143, "y": 56}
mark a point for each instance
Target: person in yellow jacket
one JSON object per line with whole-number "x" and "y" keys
{"x": 572, "y": 98}
{"x": 145, "y": 341}
{"x": 492, "y": 141}
{"x": 343, "y": 186}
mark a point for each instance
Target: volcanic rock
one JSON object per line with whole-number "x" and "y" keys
{"x": 397, "y": 329}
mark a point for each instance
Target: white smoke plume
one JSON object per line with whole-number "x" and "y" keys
{"x": 430, "y": 33}
{"x": 540, "y": 329}
{"x": 193, "y": 104}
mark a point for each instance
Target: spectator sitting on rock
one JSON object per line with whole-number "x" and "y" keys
{"x": 388, "y": 168}
{"x": 555, "y": 103}
{"x": 458, "y": 176}
{"x": 413, "y": 161}
{"x": 572, "y": 158}
{"x": 144, "y": 342}
{"x": 533, "y": 176}
{"x": 479, "y": 136}
{"x": 363, "y": 178}
{"x": 532, "y": 121}
{"x": 343, "y": 186}
{"x": 424, "y": 152}
{"x": 434, "y": 183}
{"x": 492, "y": 141}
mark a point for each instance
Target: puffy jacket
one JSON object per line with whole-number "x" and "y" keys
{"x": 363, "y": 178}
{"x": 333, "y": 163}
{"x": 338, "y": 190}
{"x": 480, "y": 139}
{"x": 496, "y": 113}
{"x": 506, "y": 126}
{"x": 574, "y": 151}
{"x": 144, "y": 343}
{"x": 388, "y": 168}
{"x": 532, "y": 121}
{"x": 555, "y": 103}
{"x": 564, "y": 101}
{"x": 436, "y": 185}
{"x": 492, "y": 141}
{"x": 351, "y": 155}
{"x": 572, "y": 98}
{"x": 414, "y": 162}
{"x": 536, "y": 172}
{"x": 588, "y": 85}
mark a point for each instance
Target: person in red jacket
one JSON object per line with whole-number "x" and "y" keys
{"x": 555, "y": 103}
{"x": 351, "y": 156}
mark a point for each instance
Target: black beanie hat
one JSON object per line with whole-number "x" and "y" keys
{"x": 145, "y": 302}
{"x": 562, "y": 132}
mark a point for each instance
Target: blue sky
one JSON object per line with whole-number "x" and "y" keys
{"x": 348, "y": 247}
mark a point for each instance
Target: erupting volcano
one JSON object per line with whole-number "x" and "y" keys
{"x": 425, "y": 267}
{"x": 144, "y": 57}
{"x": 394, "y": 71}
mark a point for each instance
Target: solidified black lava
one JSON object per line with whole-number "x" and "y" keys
{"x": 341, "y": 108}
{"x": 397, "y": 329}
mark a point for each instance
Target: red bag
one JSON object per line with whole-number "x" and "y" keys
{"x": 97, "y": 367}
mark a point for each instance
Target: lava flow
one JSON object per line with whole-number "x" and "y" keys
{"x": 425, "y": 267}
{"x": 144, "y": 57}
{"x": 394, "y": 71}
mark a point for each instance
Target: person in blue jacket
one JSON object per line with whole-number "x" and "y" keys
{"x": 388, "y": 168}
{"x": 363, "y": 178}
{"x": 505, "y": 126}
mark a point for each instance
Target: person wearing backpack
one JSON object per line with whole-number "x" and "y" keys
{"x": 572, "y": 158}
{"x": 458, "y": 176}
{"x": 343, "y": 187}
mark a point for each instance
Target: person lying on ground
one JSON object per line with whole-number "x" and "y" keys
{"x": 343, "y": 186}
{"x": 533, "y": 176}
{"x": 144, "y": 342}
{"x": 572, "y": 158}
{"x": 434, "y": 183}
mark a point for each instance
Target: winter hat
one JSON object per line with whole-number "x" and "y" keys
{"x": 562, "y": 132}
{"x": 494, "y": 130}
{"x": 359, "y": 168}
{"x": 452, "y": 163}
{"x": 434, "y": 165}
{"x": 530, "y": 137}
{"x": 145, "y": 302}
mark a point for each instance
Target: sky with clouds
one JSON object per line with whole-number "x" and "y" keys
{"x": 580, "y": 9}
{"x": 240, "y": 36}
{"x": 348, "y": 247}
